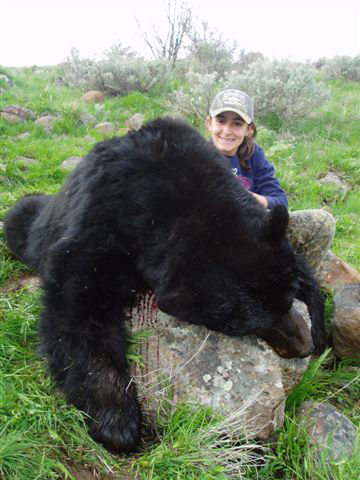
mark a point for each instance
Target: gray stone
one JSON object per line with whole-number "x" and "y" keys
{"x": 329, "y": 431}
{"x": 331, "y": 178}
{"x": 22, "y": 136}
{"x": 21, "y": 112}
{"x": 346, "y": 323}
{"x": 105, "y": 127}
{"x": 212, "y": 369}
{"x": 10, "y": 117}
{"x": 46, "y": 122}
{"x": 88, "y": 119}
{"x": 25, "y": 161}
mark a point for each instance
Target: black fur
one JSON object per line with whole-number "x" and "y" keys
{"x": 158, "y": 209}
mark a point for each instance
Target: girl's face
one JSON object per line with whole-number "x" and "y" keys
{"x": 228, "y": 131}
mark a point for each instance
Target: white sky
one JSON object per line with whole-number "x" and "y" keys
{"x": 42, "y": 32}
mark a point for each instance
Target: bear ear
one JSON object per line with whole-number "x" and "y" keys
{"x": 275, "y": 224}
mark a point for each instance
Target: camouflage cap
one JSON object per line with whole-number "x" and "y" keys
{"x": 232, "y": 100}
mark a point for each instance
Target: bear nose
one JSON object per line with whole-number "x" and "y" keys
{"x": 306, "y": 351}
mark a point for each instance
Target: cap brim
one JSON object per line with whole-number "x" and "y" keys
{"x": 243, "y": 115}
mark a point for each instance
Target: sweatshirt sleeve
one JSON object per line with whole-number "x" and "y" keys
{"x": 265, "y": 182}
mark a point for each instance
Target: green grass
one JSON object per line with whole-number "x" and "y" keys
{"x": 40, "y": 435}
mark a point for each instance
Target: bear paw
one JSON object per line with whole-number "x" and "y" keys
{"x": 117, "y": 429}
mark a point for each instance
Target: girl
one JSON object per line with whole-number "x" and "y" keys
{"x": 232, "y": 128}
{"x": 233, "y": 132}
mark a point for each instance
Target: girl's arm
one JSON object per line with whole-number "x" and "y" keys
{"x": 266, "y": 186}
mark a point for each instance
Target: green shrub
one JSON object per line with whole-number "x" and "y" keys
{"x": 6, "y": 79}
{"x": 341, "y": 67}
{"x": 195, "y": 99}
{"x": 209, "y": 52}
{"x": 118, "y": 73}
{"x": 290, "y": 90}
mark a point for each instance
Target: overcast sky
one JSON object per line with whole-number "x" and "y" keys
{"x": 43, "y": 32}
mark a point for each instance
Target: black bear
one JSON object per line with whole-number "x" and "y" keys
{"x": 160, "y": 210}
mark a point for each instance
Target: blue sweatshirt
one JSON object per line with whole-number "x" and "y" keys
{"x": 260, "y": 178}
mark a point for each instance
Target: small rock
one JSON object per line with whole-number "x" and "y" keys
{"x": 332, "y": 178}
{"x": 21, "y": 112}
{"x": 346, "y": 323}
{"x": 70, "y": 163}
{"x": 93, "y": 96}
{"x": 105, "y": 127}
{"x": 46, "y": 122}
{"x": 135, "y": 122}
{"x": 328, "y": 429}
{"x": 334, "y": 272}
{"x": 88, "y": 119}
{"x": 25, "y": 161}
{"x": 22, "y": 136}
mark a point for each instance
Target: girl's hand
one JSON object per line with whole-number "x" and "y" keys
{"x": 262, "y": 200}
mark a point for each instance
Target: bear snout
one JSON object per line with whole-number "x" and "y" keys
{"x": 291, "y": 337}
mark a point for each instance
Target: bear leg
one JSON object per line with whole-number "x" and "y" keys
{"x": 84, "y": 337}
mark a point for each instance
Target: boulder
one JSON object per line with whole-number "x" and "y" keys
{"x": 206, "y": 367}
{"x": 329, "y": 431}
{"x": 93, "y": 96}
{"x": 334, "y": 272}
{"x": 346, "y": 322}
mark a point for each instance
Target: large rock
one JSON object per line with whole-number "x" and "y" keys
{"x": 346, "y": 323}
{"x": 333, "y": 272}
{"x": 212, "y": 369}
{"x": 329, "y": 431}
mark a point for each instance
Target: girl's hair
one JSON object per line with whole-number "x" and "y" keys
{"x": 247, "y": 148}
